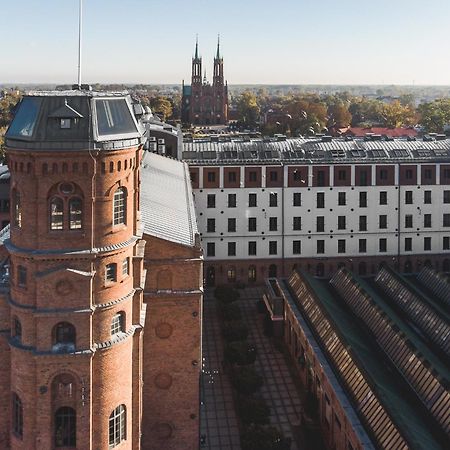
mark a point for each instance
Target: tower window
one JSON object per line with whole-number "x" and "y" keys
{"x": 125, "y": 267}
{"x": 64, "y": 337}
{"x": 117, "y": 323}
{"x": 75, "y": 213}
{"x": 111, "y": 273}
{"x": 21, "y": 276}
{"x": 17, "y": 415}
{"x": 17, "y": 208}
{"x": 17, "y": 329}
{"x": 56, "y": 213}
{"x": 119, "y": 209}
{"x": 117, "y": 426}
{"x": 64, "y": 124}
{"x": 65, "y": 427}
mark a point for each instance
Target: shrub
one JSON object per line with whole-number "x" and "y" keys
{"x": 253, "y": 410}
{"x": 246, "y": 380}
{"x": 240, "y": 352}
{"x": 226, "y": 294}
{"x": 235, "y": 331}
{"x": 257, "y": 437}
{"x": 230, "y": 311}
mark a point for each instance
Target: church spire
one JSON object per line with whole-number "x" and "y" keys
{"x": 218, "y": 47}
{"x": 196, "y": 46}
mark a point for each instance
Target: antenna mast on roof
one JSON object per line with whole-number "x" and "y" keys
{"x": 80, "y": 28}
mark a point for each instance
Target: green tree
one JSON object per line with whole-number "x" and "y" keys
{"x": 395, "y": 114}
{"x": 435, "y": 115}
{"x": 248, "y": 109}
{"x": 161, "y": 106}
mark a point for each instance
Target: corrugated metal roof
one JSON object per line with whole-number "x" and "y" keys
{"x": 167, "y": 203}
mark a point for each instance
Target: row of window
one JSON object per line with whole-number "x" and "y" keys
{"x": 361, "y": 179}
{"x": 110, "y": 273}
{"x": 320, "y": 246}
{"x": 64, "y": 334}
{"x": 66, "y": 209}
{"x": 320, "y": 199}
{"x": 320, "y": 223}
{"x": 65, "y": 424}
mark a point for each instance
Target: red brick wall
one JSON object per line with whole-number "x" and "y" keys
{"x": 298, "y": 176}
{"x": 385, "y": 175}
{"x": 215, "y": 173}
{"x": 275, "y": 180}
{"x": 227, "y": 177}
{"x": 428, "y": 168}
{"x": 248, "y": 182}
{"x": 343, "y": 172}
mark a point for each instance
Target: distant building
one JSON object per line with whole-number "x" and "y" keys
{"x": 372, "y": 354}
{"x": 203, "y": 103}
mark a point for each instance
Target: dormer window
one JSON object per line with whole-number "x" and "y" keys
{"x": 64, "y": 124}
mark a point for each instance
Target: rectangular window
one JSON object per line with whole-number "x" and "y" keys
{"x": 125, "y": 267}
{"x": 427, "y": 220}
{"x": 408, "y": 244}
{"x": 231, "y": 248}
{"x": 252, "y": 224}
{"x": 383, "y": 198}
{"x": 427, "y": 243}
{"x": 252, "y": 248}
{"x": 427, "y": 197}
{"x": 296, "y": 247}
{"x": 252, "y": 200}
{"x": 231, "y": 200}
{"x": 446, "y": 243}
{"x": 408, "y": 221}
{"x": 342, "y": 175}
{"x": 210, "y": 249}
{"x": 446, "y": 220}
{"x": 272, "y": 247}
{"x": 427, "y": 174}
{"x": 211, "y": 201}
{"x": 297, "y": 199}
{"x": 273, "y": 175}
{"x": 232, "y": 177}
{"x": 363, "y": 199}
{"x": 111, "y": 273}
{"x": 273, "y": 199}
{"x": 383, "y": 174}
{"x": 362, "y": 223}
{"x": 382, "y": 221}
{"x": 320, "y": 224}
{"x": 320, "y": 246}
{"x": 408, "y": 197}
{"x": 297, "y": 223}
{"x": 446, "y": 196}
{"x": 211, "y": 177}
{"x": 321, "y": 178}
{"x": 408, "y": 174}
{"x": 341, "y": 222}
{"x": 362, "y": 245}
{"x": 320, "y": 198}
{"x": 21, "y": 276}
{"x": 273, "y": 223}
{"x": 211, "y": 225}
{"x": 231, "y": 225}
{"x": 341, "y": 245}
{"x": 382, "y": 245}
{"x": 342, "y": 201}
{"x": 363, "y": 178}
{"x": 252, "y": 175}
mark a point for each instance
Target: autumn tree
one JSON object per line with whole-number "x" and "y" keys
{"x": 248, "y": 109}
{"x": 161, "y": 106}
{"x": 396, "y": 114}
{"x": 435, "y": 115}
{"x": 7, "y": 104}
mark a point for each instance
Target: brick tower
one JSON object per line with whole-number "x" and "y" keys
{"x": 76, "y": 275}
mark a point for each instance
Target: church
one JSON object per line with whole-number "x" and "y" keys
{"x": 203, "y": 103}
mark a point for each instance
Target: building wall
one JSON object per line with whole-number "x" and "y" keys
{"x": 298, "y": 243}
{"x": 172, "y": 345}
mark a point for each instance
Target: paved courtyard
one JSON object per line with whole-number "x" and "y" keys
{"x": 218, "y": 419}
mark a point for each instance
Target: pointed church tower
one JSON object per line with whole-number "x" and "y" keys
{"x": 196, "y": 67}
{"x": 220, "y": 89}
{"x": 218, "y": 67}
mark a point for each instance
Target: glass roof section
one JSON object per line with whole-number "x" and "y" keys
{"x": 114, "y": 118}
{"x": 25, "y": 119}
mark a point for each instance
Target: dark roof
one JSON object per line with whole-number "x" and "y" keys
{"x": 93, "y": 120}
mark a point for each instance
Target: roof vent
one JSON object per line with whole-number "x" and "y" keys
{"x": 82, "y": 87}
{"x": 441, "y": 137}
{"x": 327, "y": 138}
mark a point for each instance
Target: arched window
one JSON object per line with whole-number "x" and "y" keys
{"x": 119, "y": 208}
{"x": 17, "y": 415}
{"x": 64, "y": 337}
{"x": 117, "y": 426}
{"x": 65, "y": 427}
{"x": 252, "y": 274}
{"x": 272, "y": 271}
{"x": 17, "y": 330}
{"x": 56, "y": 213}
{"x": 75, "y": 213}
{"x": 118, "y": 323}
{"x": 231, "y": 274}
{"x": 17, "y": 208}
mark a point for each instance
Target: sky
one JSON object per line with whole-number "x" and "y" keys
{"x": 263, "y": 41}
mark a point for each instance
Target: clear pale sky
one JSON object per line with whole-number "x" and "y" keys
{"x": 263, "y": 41}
